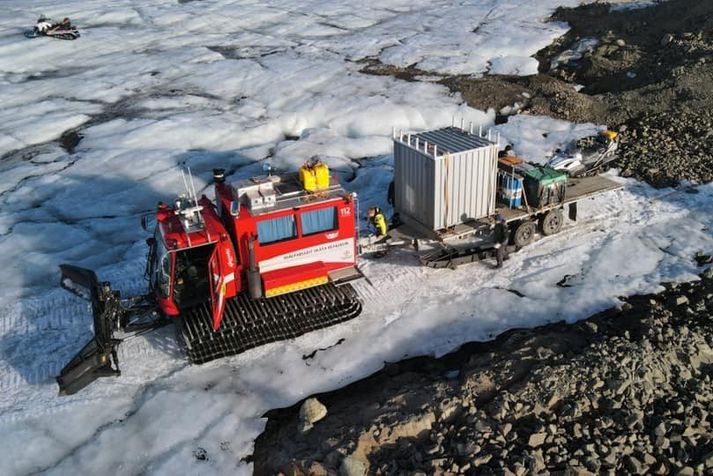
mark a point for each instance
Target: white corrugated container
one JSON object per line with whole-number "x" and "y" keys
{"x": 444, "y": 177}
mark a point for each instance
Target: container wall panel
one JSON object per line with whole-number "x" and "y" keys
{"x": 446, "y": 190}
{"x": 414, "y": 177}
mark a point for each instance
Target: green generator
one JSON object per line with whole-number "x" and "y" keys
{"x": 544, "y": 186}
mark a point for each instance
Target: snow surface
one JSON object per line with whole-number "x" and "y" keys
{"x": 637, "y": 5}
{"x": 159, "y": 85}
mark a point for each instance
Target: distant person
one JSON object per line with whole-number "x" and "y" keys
{"x": 506, "y": 152}
{"x": 502, "y": 237}
{"x": 44, "y": 24}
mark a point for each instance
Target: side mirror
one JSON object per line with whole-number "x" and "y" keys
{"x": 234, "y": 208}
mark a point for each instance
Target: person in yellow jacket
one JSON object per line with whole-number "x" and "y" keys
{"x": 378, "y": 220}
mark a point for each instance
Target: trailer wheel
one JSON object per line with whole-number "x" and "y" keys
{"x": 551, "y": 223}
{"x": 524, "y": 233}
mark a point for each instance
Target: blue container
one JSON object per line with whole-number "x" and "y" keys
{"x": 510, "y": 189}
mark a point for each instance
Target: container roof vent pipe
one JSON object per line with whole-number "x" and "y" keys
{"x": 462, "y": 124}
{"x": 471, "y": 127}
{"x": 435, "y": 151}
{"x": 453, "y": 121}
{"x": 480, "y": 130}
{"x": 497, "y": 140}
{"x": 401, "y": 135}
{"x": 393, "y": 132}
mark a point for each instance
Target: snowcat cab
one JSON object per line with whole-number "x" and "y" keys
{"x": 190, "y": 258}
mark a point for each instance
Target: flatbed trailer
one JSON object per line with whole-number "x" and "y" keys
{"x": 578, "y": 189}
{"x": 472, "y": 240}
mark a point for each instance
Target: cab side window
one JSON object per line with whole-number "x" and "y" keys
{"x": 318, "y": 221}
{"x": 276, "y": 229}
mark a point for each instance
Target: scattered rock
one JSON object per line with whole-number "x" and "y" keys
{"x": 292, "y": 469}
{"x": 317, "y": 469}
{"x": 708, "y": 460}
{"x": 200, "y": 454}
{"x": 69, "y": 140}
{"x": 536, "y": 439}
{"x": 311, "y": 412}
{"x": 633, "y": 465}
{"x": 351, "y": 466}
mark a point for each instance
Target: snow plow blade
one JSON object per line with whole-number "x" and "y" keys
{"x": 98, "y": 358}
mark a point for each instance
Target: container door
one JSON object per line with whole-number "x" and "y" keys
{"x": 218, "y": 286}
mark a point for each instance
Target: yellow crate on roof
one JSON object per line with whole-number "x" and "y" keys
{"x": 314, "y": 176}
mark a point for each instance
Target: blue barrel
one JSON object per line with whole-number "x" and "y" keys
{"x": 510, "y": 189}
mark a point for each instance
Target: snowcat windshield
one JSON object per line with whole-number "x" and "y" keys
{"x": 162, "y": 267}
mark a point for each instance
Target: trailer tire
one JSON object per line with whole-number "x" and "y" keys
{"x": 551, "y": 222}
{"x": 524, "y": 233}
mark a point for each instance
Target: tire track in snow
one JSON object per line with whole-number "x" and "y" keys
{"x": 43, "y": 397}
{"x": 44, "y": 370}
{"x": 65, "y": 319}
{"x": 138, "y": 400}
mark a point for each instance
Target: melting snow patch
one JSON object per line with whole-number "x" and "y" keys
{"x": 575, "y": 53}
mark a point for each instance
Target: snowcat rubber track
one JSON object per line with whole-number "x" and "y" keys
{"x": 249, "y": 323}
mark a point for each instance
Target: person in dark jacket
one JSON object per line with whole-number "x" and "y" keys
{"x": 502, "y": 236}
{"x": 507, "y": 152}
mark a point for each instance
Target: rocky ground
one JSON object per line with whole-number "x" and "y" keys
{"x": 627, "y": 391}
{"x": 651, "y": 72}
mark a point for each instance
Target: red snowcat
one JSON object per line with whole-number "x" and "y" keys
{"x": 270, "y": 259}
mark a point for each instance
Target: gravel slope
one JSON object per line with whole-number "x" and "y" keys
{"x": 627, "y": 391}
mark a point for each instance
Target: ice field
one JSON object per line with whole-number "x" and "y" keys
{"x": 156, "y": 86}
